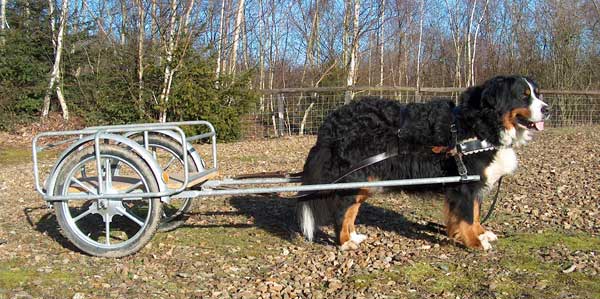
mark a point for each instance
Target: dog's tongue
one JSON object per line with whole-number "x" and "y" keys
{"x": 539, "y": 125}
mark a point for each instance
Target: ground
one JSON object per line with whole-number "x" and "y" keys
{"x": 548, "y": 221}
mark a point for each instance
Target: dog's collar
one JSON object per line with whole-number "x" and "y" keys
{"x": 474, "y": 146}
{"x": 470, "y": 145}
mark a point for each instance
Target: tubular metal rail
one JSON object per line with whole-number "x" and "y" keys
{"x": 147, "y": 175}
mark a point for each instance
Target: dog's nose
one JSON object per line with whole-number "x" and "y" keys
{"x": 545, "y": 111}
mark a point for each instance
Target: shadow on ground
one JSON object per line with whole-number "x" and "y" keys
{"x": 277, "y": 216}
{"x": 48, "y": 225}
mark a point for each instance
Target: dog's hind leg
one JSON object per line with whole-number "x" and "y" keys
{"x": 348, "y": 238}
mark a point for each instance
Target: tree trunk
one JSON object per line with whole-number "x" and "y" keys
{"x": 221, "y": 43}
{"x": 380, "y": 41}
{"x": 152, "y": 21}
{"x": 474, "y": 47}
{"x": 2, "y": 21}
{"x": 168, "y": 74}
{"x": 261, "y": 56}
{"x": 314, "y": 33}
{"x": 304, "y": 118}
{"x": 456, "y": 38}
{"x": 55, "y": 75}
{"x": 141, "y": 31}
{"x": 236, "y": 36}
{"x": 422, "y": 13}
{"x": 346, "y": 33}
{"x": 352, "y": 65}
{"x": 123, "y": 23}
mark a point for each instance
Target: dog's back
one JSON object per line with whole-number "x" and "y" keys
{"x": 371, "y": 126}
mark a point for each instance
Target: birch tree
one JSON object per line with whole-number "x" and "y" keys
{"x": 55, "y": 76}
{"x": 380, "y": 41}
{"x": 422, "y": 14}
{"x": 472, "y": 41}
{"x": 177, "y": 32}
{"x": 140, "y": 54}
{"x": 221, "y": 42}
{"x": 2, "y": 21}
{"x": 353, "y": 59}
{"x": 239, "y": 16}
{"x": 457, "y": 41}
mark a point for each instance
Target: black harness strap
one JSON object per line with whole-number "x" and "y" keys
{"x": 362, "y": 164}
{"x": 460, "y": 164}
{"x": 491, "y": 209}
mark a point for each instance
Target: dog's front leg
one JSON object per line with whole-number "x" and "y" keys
{"x": 463, "y": 224}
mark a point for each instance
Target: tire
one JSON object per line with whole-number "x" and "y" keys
{"x": 176, "y": 212}
{"x": 139, "y": 218}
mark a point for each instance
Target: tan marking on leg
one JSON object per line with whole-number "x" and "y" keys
{"x": 350, "y": 216}
{"x": 460, "y": 230}
{"x": 476, "y": 221}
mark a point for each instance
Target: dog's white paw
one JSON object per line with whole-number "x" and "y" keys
{"x": 357, "y": 238}
{"x": 349, "y": 245}
{"x": 490, "y": 236}
{"x": 484, "y": 242}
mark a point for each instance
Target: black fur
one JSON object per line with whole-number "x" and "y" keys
{"x": 371, "y": 126}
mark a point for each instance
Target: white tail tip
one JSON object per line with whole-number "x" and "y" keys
{"x": 307, "y": 221}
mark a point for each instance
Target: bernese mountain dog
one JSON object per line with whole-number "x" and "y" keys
{"x": 499, "y": 112}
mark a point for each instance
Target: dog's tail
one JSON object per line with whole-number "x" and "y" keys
{"x": 314, "y": 209}
{"x": 311, "y": 214}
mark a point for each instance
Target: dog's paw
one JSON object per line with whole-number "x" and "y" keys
{"x": 349, "y": 245}
{"x": 485, "y": 243}
{"x": 357, "y": 238}
{"x": 490, "y": 236}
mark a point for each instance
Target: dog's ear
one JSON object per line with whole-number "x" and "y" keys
{"x": 497, "y": 93}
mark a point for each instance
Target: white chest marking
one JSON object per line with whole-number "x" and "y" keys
{"x": 505, "y": 162}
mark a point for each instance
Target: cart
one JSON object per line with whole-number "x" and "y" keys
{"x": 114, "y": 187}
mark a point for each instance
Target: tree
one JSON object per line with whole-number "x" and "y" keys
{"x": 353, "y": 59}
{"x": 55, "y": 76}
{"x": 2, "y": 21}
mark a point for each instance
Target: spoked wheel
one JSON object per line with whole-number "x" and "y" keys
{"x": 107, "y": 227}
{"x": 170, "y": 158}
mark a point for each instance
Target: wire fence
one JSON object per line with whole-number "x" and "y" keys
{"x": 301, "y": 111}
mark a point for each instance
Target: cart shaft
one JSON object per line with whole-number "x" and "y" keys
{"x": 321, "y": 187}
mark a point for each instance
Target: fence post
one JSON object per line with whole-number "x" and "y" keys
{"x": 280, "y": 112}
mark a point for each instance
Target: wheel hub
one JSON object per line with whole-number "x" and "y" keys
{"x": 107, "y": 208}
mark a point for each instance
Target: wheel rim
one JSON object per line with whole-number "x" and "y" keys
{"x": 106, "y": 223}
{"x": 168, "y": 161}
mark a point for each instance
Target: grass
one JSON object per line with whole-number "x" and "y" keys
{"x": 518, "y": 271}
{"x": 527, "y": 242}
{"x": 16, "y": 274}
{"x": 13, "y": 156}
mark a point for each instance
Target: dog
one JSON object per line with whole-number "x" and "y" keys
{"x": 500, "y": 113}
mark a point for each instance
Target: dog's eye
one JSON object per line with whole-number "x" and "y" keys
{"x": 527, "y": 92}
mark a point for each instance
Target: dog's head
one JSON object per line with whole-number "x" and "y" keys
{"x": 505, "y": 109}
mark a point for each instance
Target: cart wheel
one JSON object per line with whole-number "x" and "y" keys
{"x": 170, "y": 157}
{"x": 107, "y": 227}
